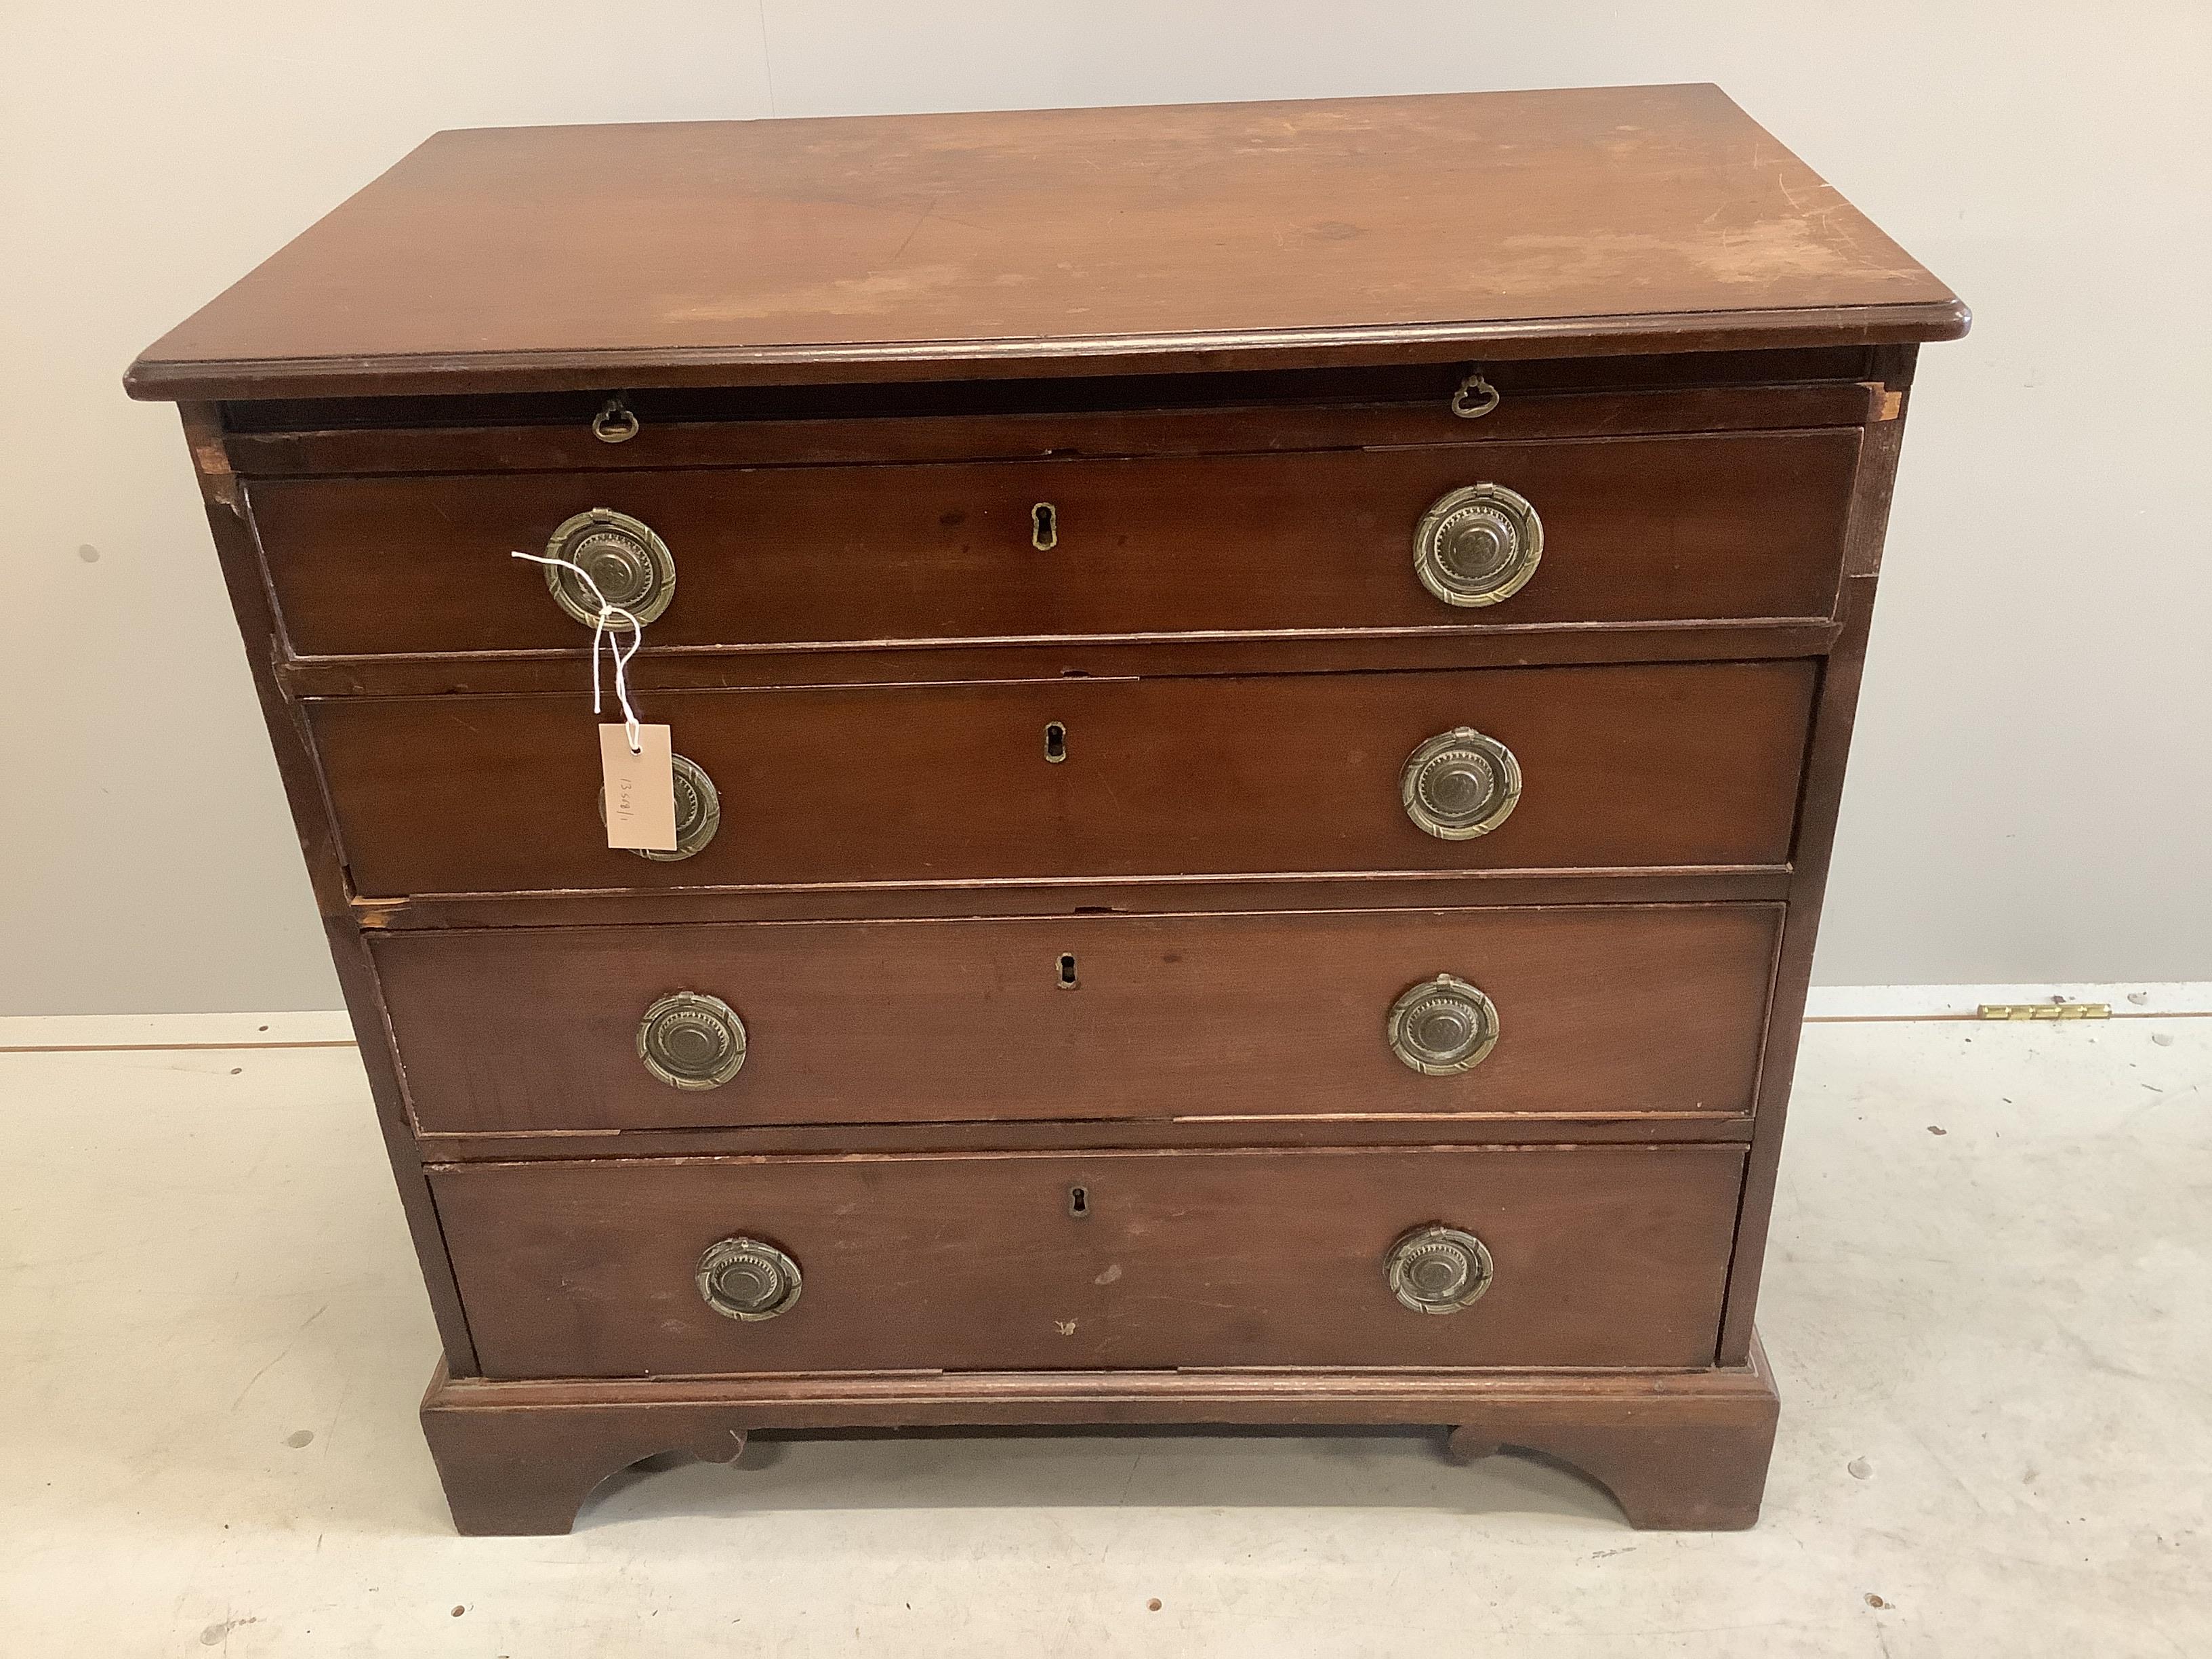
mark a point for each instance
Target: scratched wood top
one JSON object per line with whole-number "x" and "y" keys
{"x": 1059, "y": 241}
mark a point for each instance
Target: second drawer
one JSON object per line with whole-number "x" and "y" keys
{"x": 1609, "y": 1011}
{"x": 1668, "y": 766}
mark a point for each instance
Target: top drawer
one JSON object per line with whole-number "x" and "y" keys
{"x": 1633, "y": 530}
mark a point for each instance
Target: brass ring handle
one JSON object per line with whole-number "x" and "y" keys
{"x": 615, "y": 424}
{"x": 1442, "y": 1026}
{"x": 690, "y": 1040}
{"x": 1460, "y": 784}
{"x": 1478, "y": 545}
{"x": 698, "y": 811}
{"x": 1438, "y": 1270}
{"x": 1475, "y": 397}
{"x": 631, "y": 565}
{"x": 748, "y": 1279}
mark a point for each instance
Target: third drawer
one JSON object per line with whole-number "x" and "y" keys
{"x": 1588, "y": 1012}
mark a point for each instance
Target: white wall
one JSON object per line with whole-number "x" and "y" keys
{"x": 2029, "y": 796}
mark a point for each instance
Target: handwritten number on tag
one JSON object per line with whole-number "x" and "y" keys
{"x": 640, "y": 788}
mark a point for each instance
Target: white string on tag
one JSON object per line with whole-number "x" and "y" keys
{"x": 600, "y": 630}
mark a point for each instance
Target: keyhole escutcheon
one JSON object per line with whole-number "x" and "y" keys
{"x": 1078, "y": 1202}
{"x": 1055, "y": 743}
{"x": 1044, "y": 526}
{"x": 1067, "y": 981}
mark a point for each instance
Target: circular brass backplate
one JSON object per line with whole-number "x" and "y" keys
{"x": 1478, "y": 545}
{"x": 1438, "y": 1270}
{"x": 698, "y": 811}
{"x": 690, "y": 1040}
{"x": 748, "y": 1279}
{"x": 1442, "y": 1026}
{"x": 1460, "y": 784}
{"x": 631, "y": 564}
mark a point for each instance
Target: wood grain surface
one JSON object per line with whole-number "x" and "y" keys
{"x": 1617, "y": 1010}
{"x": 1226, "y": 412}
{"x": 1527, "y": 223}
{"x": 1733, "y": 526}
{"x": 1678, "y": 1448}
{"x": 1673, "y": 765}
{"x": 1613, "y": 1256}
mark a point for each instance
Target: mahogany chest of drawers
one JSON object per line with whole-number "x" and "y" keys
{"x": 1259, "y": 694}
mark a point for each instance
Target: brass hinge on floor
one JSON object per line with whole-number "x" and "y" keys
{"x": 2045, "y": 1010}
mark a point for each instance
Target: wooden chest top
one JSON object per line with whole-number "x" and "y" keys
{"x": 1486, "y": 224}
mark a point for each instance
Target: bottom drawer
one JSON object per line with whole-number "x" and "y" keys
{"x": 1596, "y": 1257}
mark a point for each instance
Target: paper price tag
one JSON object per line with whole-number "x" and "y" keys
{"x": 640, "y": 789}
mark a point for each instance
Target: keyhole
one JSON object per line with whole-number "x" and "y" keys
{"x": 1078, "y": 1202}
{"x": 1044, "y": 526}
{"x": 1055, "y": 743}
{"x": 1067, "y": 980}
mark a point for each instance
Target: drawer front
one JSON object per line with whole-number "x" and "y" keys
{"x": 1635, "y": 766}
{"x": 1657, "y": 529}
{"x": 1613, "y": 1010}
{"x": 1598, "y": 1257}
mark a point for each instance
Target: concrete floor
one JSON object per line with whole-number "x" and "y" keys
{"x": 1993, "y": 1342}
